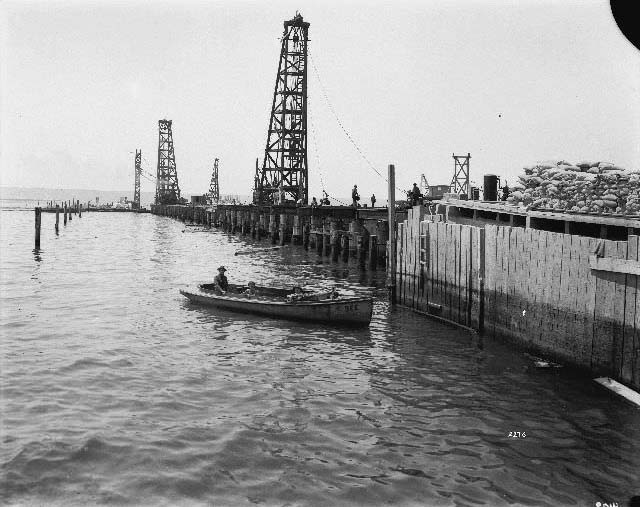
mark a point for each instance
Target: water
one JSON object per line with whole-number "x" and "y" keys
{"x": 116, "y": 390}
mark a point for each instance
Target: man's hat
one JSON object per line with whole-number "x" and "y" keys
{"x": 222, "y": 268}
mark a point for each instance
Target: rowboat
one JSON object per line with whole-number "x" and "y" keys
{"x": 279, "y": 303}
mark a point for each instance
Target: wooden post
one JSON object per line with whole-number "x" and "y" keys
{"x": 272, "y": 228}
{"x": 326, "y": 238}
{"x": 334, "y": 240}
{"x": 305, "y": 236}
{"x": 344, "y": 246}
{"x": 57, "y": 218}
{"x": 38, "y": 223}
{"x": 296, "y": 233}
{"x": 363, "y": 243}
{"x": 79, "y": 209}
{"x": 373, "y": 252}
{"x": 70, "y": 211}
{"x": 391, "y": 244}
{"x": 65, "y": 213}
{"x": 283, "y": 228}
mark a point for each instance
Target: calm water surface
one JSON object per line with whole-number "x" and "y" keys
{"x": 115, "y": 390}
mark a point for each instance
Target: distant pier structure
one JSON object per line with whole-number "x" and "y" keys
{"x": 167, "y": 188}
{"x": 214, "y": 188}
{"x": 136, "y": 188}
{"x": 284, "y": 171}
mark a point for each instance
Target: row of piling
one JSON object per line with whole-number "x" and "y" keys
{"x": 68, "y": 209}
{"x": 334, "y": 232}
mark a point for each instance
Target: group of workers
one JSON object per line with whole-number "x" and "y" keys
{"x": 414, "y": 196}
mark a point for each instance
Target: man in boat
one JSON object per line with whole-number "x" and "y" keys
{"x": 297, "y": 295}
{"x": 220, "y": 281}
{"x": 251, "y": 289}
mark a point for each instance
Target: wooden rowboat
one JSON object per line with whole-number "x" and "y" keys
{"x": 279, "y": 303}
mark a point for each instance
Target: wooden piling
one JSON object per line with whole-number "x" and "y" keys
{"x": 272, "y": 228}
{"x": 65, "y": 213}
{"x": 283, "y": 228}
{"x": 391, "y": 243}
{"x": 326, "y": 238}
{"x": 57, "y": 219}
{"x": 373, "y": 252}
{"x": 38, "y": 211}
{"x": 344, "y": 246}
{"x": 305, "y": 236}
{"x": 79, "y": 209}
{"x": 334, "y": 241}
{"x": 296, "y": 232}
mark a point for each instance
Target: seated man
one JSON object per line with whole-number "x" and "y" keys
{"x": 251, "y": 289}
{"x": 296, "y": 296}
{"x": 220, "y": 282}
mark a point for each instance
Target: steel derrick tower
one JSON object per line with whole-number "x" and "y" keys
{"x": 167, "y": 189}
{"x": 285, "y": 158}
{"x": 136, "y": 188}
{"x": 214, "y": 189}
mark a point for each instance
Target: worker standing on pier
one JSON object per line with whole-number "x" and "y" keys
{"x": 415, "y": 195}
{"x": 314, "y": 203}
{"x": 354, "y": 196}
{"x": 373, "y": 200}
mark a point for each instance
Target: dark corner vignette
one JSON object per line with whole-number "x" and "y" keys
{"x": 625, "y": 15}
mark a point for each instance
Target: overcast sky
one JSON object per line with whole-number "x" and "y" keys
{"x": 512, "y": 82}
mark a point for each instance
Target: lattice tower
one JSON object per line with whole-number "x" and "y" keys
{"x": 214, "y": 189}
{"x": 138, "y": 172}
{"x": 167, "y": 188}
{"x": 285, "y": 157}
{"x": 460, "y": 180}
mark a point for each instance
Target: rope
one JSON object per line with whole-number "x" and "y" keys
{"x": 341, "y": 125}
{"x": 315, "y": 146}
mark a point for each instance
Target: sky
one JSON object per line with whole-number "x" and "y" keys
{"x": 83, "y": 85}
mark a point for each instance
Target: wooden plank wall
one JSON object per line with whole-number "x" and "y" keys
{"x": 534, "y": 286}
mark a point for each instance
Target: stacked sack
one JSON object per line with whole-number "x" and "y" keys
{"x": 598, "y": 187}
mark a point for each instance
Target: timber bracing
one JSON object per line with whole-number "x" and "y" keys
{"x": 167, "y": 188}
{"x": 284, "y": 171}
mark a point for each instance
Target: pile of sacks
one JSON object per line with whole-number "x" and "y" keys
{"x": 599, "y": 187}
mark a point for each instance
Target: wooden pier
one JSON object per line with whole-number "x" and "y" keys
{"x": 338, "y": 232}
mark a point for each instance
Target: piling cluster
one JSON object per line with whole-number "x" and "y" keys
{"x": 334, "y": 232}
{"x": 68, "y": 209}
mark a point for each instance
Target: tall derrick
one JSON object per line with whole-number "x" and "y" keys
{"x": 214, "y": 189}
{"x": 167, "y": 189}
{"x": 136, "y": 188}
{"x": 284, "y": 168}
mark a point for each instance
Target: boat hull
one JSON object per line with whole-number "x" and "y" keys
{"x": 349, "y": 311}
